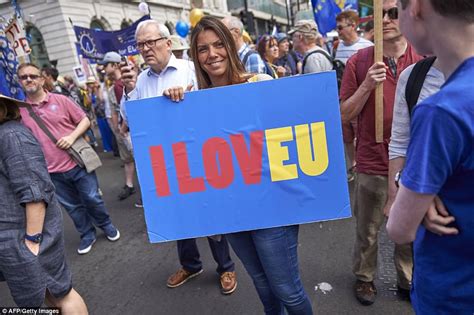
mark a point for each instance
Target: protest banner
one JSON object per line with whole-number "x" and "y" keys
{"x": 241, "y": 157}
{"x": 94, "y": 44}
{"x": 17, "y": 38}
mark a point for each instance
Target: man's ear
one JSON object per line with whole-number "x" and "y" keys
{"x": 416, "y": 8}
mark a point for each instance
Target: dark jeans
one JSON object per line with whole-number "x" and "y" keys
{"x": 189, "y": 255}
{"x": 77, "y": 191}
{"x": 270, "y": 258}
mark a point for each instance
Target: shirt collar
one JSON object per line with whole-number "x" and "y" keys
{"x": 242, "y": 49}
{"x": 172, "y": 63}
{"x": 44, "y": 101}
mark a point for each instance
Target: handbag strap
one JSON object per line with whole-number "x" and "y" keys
{"x": 40, "y": 123}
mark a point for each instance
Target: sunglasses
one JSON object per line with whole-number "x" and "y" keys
{"x": 392, "y": 13}
{"x": 341, "y": 27}
{"x": 31, "y": 76}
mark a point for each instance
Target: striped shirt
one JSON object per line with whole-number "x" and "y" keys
{"x": 254, "y": 63}
{"x": 345, "y": 52}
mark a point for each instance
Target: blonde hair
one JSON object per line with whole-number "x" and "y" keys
{"x": 235, "y": 71}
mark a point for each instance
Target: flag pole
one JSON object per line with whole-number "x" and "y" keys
{"x": 378, "y": 57}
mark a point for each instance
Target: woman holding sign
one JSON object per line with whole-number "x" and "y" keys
{"x": 276, "y": 277}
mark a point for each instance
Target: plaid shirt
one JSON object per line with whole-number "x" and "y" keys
{"x": 254, "y": 62}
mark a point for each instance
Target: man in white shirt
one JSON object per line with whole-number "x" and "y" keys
{"x": 169, "y": 76}
{"x": 346, "y": 25}
{"x": 350, "y": 43}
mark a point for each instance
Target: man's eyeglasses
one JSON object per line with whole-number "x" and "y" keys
{"x": 149, "y": 43}
{"x": 31, "y": 76}
{"x": 341, "y": 27}
{"x": 392, "y": 13}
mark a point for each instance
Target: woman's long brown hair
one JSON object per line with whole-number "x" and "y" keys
{"x": 235, "y": 71}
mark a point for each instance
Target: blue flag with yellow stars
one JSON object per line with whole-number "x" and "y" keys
{"x": 325, "y": 12}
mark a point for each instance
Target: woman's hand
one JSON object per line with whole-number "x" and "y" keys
{"x": 33, "y": 247}
{"x": 281, "y": 71}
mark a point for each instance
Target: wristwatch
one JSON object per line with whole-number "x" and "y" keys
{"x": 398, "y": 175}
{"x": 37, "y": 238}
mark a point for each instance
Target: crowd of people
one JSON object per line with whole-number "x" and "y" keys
{"x": 418, "y": 176}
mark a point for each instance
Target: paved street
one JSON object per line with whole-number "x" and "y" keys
{"x": 129, "y": 276}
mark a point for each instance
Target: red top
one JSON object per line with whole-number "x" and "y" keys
{"x": 61, "y": 116}
{"x": 371, "y": 157}
{"x": 118, "y": 89}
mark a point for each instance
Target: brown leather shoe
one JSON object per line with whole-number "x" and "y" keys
{"x": 180, "y": 277}
{"x": 365, "y": 292}
{"x": 228, "y": 282}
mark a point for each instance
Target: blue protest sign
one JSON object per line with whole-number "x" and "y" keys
{"x": 94, "y": 44}
{"x": 241, "y": 157}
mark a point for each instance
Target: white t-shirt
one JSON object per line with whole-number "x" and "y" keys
{"x": 344, "y": 52}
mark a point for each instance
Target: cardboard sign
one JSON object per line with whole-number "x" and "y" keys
{"x": 79, "y": 74}
{"x": 241, "y": 157}
{"x": 16, "y": 37}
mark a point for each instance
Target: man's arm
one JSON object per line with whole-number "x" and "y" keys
{"x": 394, "y": 166}
{"x": 352, "y": 106}
{"x": 66, "y": 141}
{"x": 406, "y": 215}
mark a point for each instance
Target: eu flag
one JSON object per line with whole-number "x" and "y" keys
{"x": 325, "y": 12}
{"x": 9, "y": 85}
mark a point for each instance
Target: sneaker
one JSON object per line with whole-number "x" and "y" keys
{"x": 228, "y": 282}
{"x": 85, "y": 246}
{"x": 112, "y": 233}
{"x": 403, "y": 294}
{"x": 180, "y": 277}
{"x": 365, "y": 292}
{"x": 126, "y": 192}
{"x": 139, "y": 203}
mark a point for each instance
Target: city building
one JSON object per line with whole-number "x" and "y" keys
{"x": 49, "y": 23}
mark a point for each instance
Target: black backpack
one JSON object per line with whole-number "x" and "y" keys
{"x": 416, "y": 80}
{"x": 268, "y": 69}
{"x": 337, "y": 65}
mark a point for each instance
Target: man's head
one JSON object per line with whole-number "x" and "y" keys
{"x": 69, "y": 81}
{"x": 369, "y": 30}
{"x": 391, "y": 29}
{"x": 305, "y": 35}
{"x": 50, "y": 76}
{"x": 236, "y": 28}
{"x": 110, "y": 63}
{"x": 30, "y": 79}
{"x": 346, "y": 25}
{"x": 283, "y": 43}
{"x": 420, "y": 18}
{"x": 178, "y": 46}
{"x": 154, "y": 44}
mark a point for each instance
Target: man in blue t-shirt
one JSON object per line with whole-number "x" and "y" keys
{"x": 440, "y": 160}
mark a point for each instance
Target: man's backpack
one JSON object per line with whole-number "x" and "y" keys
{"x": 416, "y": 80}
{"x": 337, "y": 65}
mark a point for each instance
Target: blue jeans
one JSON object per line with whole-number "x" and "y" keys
{"x": 270, "y": 258}
{"x": 189, "y": 255}
{"x": 78, "y": 193}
